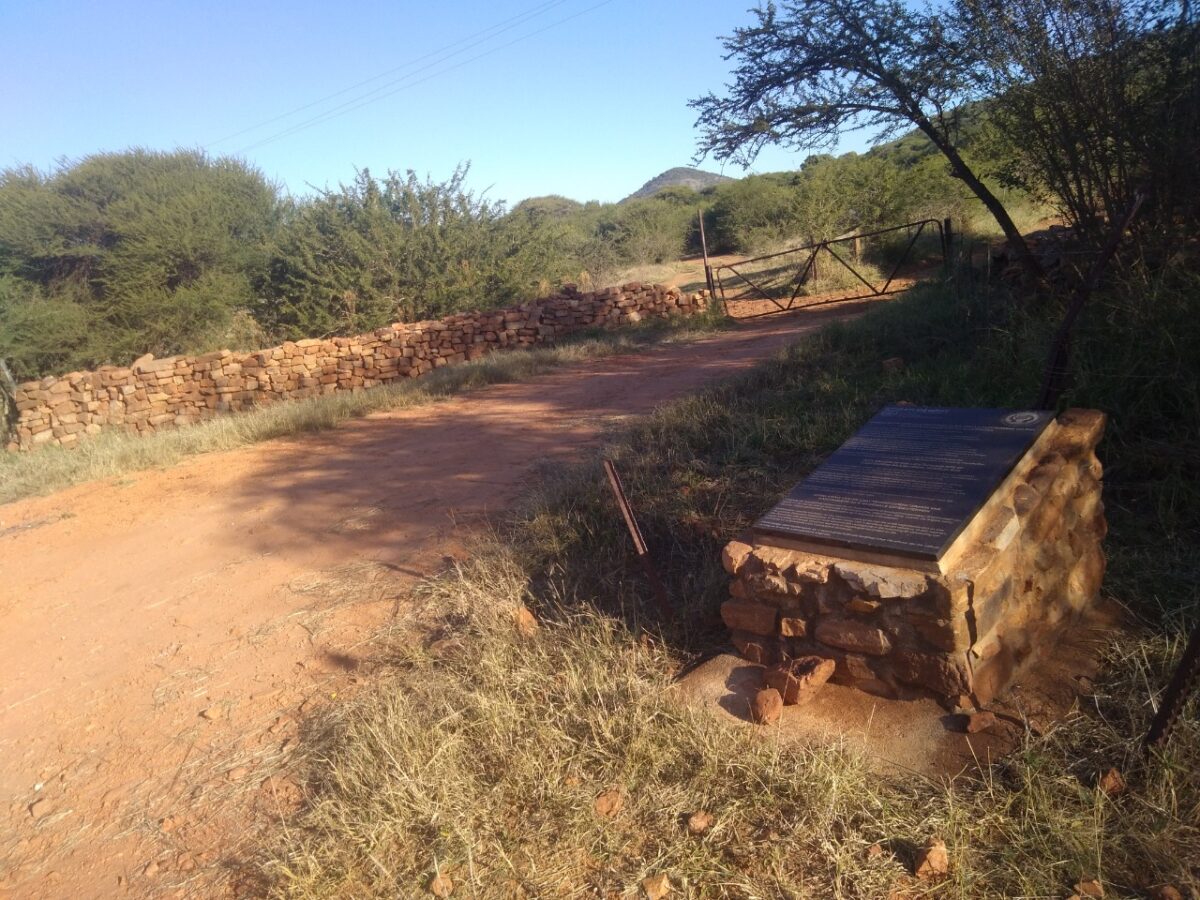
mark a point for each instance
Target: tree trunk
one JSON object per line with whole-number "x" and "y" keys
{"x": 8, "y": 404}
{"x": 961, "y": 170}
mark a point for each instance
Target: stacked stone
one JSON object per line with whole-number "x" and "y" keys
{"x": 154, "y": 394}
{"x": 1026, "y": 565}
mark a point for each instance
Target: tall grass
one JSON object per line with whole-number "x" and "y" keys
{"x": 114, "y": 453}
{"x": 479, "y": 754}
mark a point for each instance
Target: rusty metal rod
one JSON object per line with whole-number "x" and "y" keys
{"x": 855, "y": 272}
{"x": 639, "y": 543}
{"x": 1180, "y": 688}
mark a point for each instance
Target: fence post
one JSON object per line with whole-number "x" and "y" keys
{"x": 947, "y": 243}
{"x": 708, "y": 276}
{"x": 8, "y": 403}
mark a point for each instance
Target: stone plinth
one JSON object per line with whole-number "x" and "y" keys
{"x": 1025, "y": 565}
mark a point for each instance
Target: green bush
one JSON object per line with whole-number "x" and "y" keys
{"x": 124, "y": 253}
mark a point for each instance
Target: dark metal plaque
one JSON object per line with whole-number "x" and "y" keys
{"x": 908, "y": 482}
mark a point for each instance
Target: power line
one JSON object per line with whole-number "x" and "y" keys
{"x": 367, "y": 99}
{"x": 485, "y": 34}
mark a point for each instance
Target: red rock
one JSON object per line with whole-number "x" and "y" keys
{"x": 938, "y": 672}
{"x": 975, "y": 722}
{"x": 699, "y": 822}
{"x": 863, "y": 607}
{"x": 734, "y": 554}
{"x": 1166, "y": 892}
{"x": 767, "y": 706}
{"x": 799, "y": 680}
{"x": 441, "y": 885}
{"x": 1089, "y": 887}
{"x": 656, "y": 886}
{"x": 609, "y": 803}
{"x": 753, "y": 649}
{"x": 932, "y": 860}
{"x": 746, "y": 615}
{"x": 854, "y": 636}
{"x": 790, "y": 626}
{"x": 1111, "y": 783}
{"x": 526, "y": 621}
{"x": 882, "y": 583}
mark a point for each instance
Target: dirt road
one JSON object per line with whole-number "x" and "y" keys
{"x": 162, "y": 633}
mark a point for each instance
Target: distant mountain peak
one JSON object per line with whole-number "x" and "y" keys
{"x": 680, "y": 176}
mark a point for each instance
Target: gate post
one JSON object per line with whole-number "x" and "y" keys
{"x": 708, "y": 276}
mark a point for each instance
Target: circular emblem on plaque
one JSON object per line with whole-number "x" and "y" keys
{"x": 1021, "y": 418}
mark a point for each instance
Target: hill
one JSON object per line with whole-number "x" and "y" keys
{"x": 680, "y": 176}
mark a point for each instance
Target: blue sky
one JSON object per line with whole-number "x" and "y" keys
{"x": 585, "y": 100}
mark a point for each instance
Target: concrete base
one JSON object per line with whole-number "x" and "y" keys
{"x": 916, "y": 735}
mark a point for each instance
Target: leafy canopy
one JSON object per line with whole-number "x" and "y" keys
{"x": 810, "y": 70}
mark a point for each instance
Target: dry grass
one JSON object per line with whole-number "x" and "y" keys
{"x": 479, "y": 753}
{"x": 483, "y": 757}
{"x": 484, "y": 760}
{"x": 112, "y": 454}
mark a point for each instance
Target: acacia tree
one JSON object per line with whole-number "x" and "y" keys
{"x": 810, "y": 70}
{"x": 1097, "y": 100}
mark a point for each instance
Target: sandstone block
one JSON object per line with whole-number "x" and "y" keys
{"x": 793, "y": 627}
{"x": 799, "y": 680}
{"x": 746, "y": 615}
{"x": 939, "y": 673}
{"x": 853, "y": 636}
{"x": 734, "y": 555}
{"x": 753, "y": 647}
{"x": 880, "y": 582}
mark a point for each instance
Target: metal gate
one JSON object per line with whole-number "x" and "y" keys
{"x": 793, "y": 279}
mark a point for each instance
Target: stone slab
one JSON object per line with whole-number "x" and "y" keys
{"x": 907, "y": 484}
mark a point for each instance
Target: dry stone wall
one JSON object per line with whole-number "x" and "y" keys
{"x": 1026, "y": 566}
{"x": 155, "y": 394}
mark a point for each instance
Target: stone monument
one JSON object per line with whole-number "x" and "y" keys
{"x": 935, "y": 553}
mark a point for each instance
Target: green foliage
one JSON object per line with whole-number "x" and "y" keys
{"x": 39, "y": 333}
{"x": 808, "y": 70}
{"x": 129, "y": 252}
{"x": 753, "y": 213}
{"x": 830, "y": 196}
{"x": 121, "y": 254}
{"x": 648, "y": 231}
{"x": 1082, "y": 103}
{"x": 1094, "y": 101}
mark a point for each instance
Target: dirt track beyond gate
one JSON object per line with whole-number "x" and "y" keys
{"x": 162, "y": 633}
